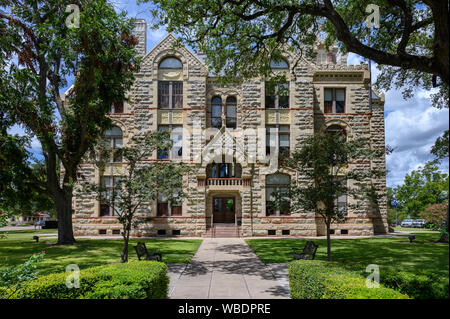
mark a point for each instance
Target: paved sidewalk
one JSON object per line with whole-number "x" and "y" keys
{"x": 227, "y": 268}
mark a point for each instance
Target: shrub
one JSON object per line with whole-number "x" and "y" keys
{"x": 135, "y": 280}
{"x": 322, "y": 280}
{"x": 419, "y": 286}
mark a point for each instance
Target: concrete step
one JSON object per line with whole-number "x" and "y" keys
{"x": 223, "y": 231}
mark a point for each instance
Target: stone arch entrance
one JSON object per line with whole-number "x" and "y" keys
{"x": 223, "y": 207}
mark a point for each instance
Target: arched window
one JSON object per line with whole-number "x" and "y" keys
{"x": 170, "y": 93}
{"x": 216, "y": 112}
{"x": 277, "y": 94}
{"x": 114, "y": 141}
{"x": 280, "y": 64}
{"x": 277, "y": 200}
{"x": 231, "y": 107}
{"x": 170, "y": 63}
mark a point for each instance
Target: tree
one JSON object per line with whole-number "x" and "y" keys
{"x": 440, "y": 147}
{"x": 141, "y": 182}
{"x": 42, "y": 48}
{"x": 21, "y": 175}
{"x": 323, "y": 159}
{"x": 434, "y": 214}
{"x": 239, "y": 37}
{"x": 440, "y": 151}
{"x": 422, "y": 187}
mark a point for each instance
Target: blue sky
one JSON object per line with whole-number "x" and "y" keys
{"x": 412, "y": 126}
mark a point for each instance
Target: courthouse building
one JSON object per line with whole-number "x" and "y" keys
{"x": 229, "y": 188}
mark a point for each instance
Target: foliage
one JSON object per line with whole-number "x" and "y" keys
{"x": 422, "y": 187}
{"x": 389, "y": 253}
{"x": 239, "y": 37}
{"x": 440, "y": 147}
{"x": 323, "y": 159}
{"x": 17, "y": 278}
{"x": 434, "y": 213}
{"x": 141, "y": 183}
{"x": 419, "y": 286}
{"x": 39, "y": 55}
{"x": 20, "y": 191}
{"x": 135, "y": 280}
{"x": 319, "y": 280}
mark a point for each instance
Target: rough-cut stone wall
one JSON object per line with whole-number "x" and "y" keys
{"x": 305, "y": 116}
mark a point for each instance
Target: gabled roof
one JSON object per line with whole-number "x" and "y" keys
{"x": 171, "y": 38}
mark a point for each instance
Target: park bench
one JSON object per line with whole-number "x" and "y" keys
{"x": 142, "y": 252}
{"x": 309, "y": 252}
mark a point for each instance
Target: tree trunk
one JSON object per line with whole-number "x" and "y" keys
{"x": 63, "y": 203}
{"x": 126, "y": 239}
{"x": 328, "y": 240}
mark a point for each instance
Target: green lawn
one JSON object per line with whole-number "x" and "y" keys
{"x": 18, "y": 246}
{"x": 358, "y": 253}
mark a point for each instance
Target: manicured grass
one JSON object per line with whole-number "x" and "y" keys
{"x": 19, "y": 245}
{"x": 394, "y": 253}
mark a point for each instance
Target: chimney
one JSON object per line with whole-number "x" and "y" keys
{"x": 140, "y": 32}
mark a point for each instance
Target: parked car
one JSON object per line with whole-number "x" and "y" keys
{"x": 419, "y": 223}
{"x": 407, "y": 223}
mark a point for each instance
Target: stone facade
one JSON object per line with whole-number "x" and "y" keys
{"x": 244, "y": 195}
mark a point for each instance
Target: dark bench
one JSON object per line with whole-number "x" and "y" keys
{"x": 309, "y": 252}
{"x": 142, "y": 252}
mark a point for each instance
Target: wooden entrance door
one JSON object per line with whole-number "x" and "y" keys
{"x": 223, "y": 209}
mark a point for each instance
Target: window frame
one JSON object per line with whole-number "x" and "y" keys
{"x": 173, "y": 97}
{"x": 281, "y": 149}
{"x": 216, "y": 105}
{"x": 333, "y": 100}
{"x": 276, "y": 97}
{"x": 109, "y": 188}
{"x": 112, "y": 145}
{"x": 229, "y": 120}
{"x": 169, "y": 207}
{"x": 170, "y": 130}
{"x": 276, "y": 188}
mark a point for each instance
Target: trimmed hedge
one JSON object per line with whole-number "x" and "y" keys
{"x": 419, "y": 286}
{"x": 134, "y": 280}
{"x": 312, "y": 279}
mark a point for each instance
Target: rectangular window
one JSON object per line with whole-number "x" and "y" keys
{"x": 117, "y": 107}
{"x": 278, "y": 136}
{"x": 163, "y": 95}
{"x": 176, "y": 135}
{"x": 111, "y": 186}
{"x": 166, "y": 208}
{"x": 170, "y": 94}
{"x": 334, "y": 100}
{"x": 277, "y": 97}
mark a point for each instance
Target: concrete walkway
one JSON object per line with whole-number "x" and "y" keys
{"x": 227, "y": 268}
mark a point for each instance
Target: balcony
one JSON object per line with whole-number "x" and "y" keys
{"x": 224, "y": 183}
